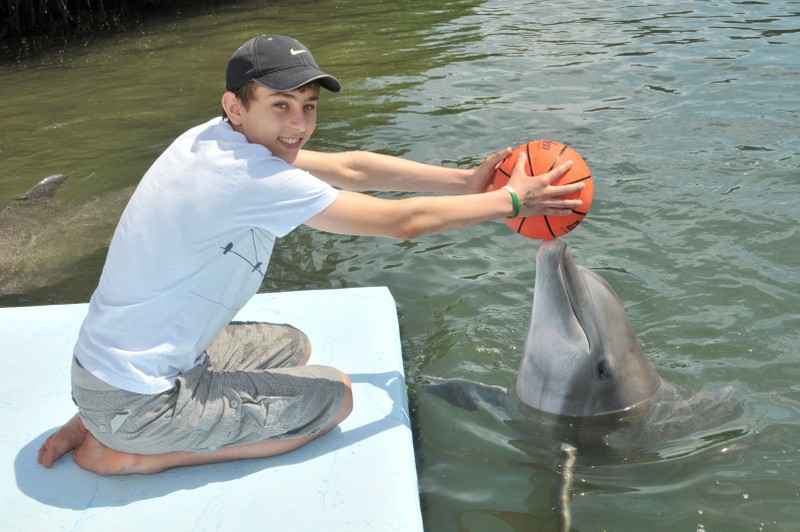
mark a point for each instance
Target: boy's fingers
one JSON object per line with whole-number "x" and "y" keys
{"x": 552, "y": 211}
{"x": 520, "y": 164}
{"x": 559, "y": 170}
{"x": 570, "y": 188}
{"x": 505, "y": 152}
{"x": 496, "y": 159}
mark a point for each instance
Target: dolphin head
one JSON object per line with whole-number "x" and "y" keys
{"x": 581, "y": 356}
{"x": 44, "y": 189}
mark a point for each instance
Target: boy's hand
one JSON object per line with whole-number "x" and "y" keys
{"x": 481, "y": 177}
{"x": 538, "y": 196}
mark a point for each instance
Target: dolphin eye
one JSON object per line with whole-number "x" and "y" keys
{"x": 601, "y": 370}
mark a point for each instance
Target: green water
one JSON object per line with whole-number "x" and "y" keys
{"x": 687, "y": 113}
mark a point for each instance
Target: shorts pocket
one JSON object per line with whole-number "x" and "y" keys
{"x": 103, "y": 422}
{"x": 272, "y": 415}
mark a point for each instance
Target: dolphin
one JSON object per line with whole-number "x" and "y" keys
{"x": 585, "y": 395}
{"x": 46, "y": 241}
{"x": 581, "y": 356}
{"x": 583, "y": 373}
{"x": 44, "y": 189}
{"x": 20, "y": 221}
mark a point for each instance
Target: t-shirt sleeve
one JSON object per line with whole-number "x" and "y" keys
{"x": 280, "y": 197}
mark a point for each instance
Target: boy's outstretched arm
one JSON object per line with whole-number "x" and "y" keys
{"x": 360, "y": 214}
{"x": 363, "y": 170}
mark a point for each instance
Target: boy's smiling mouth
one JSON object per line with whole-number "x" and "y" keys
{"x": 289, "y": 141}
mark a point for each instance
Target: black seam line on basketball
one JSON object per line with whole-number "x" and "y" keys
{"x": 555, "y": 161}
{"x": 530, "y": 160}
{"x": 547, "y": 222}
{"x": 507, "y": 174}
{"x": 579, "y": 213}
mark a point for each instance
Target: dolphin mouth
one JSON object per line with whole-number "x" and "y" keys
{"x": 554, "y": 258}
{"x": 567, "y": 281}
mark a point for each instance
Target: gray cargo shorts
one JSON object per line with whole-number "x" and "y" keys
{"x": 249, "y": 389}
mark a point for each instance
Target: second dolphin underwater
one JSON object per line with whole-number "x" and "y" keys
{"x": 47, "y": 242}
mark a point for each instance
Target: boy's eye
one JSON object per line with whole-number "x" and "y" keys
{"x": 310, "y": 107}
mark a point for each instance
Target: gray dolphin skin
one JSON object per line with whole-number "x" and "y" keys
{"x": 44, "y": 189}
{"x": 581, "y": 356}
{"x": 21, "y": 222}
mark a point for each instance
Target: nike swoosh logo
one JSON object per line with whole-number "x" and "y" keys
{"x": 296, "y": 52}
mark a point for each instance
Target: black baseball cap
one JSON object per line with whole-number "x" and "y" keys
{"x": 277, "y": 62}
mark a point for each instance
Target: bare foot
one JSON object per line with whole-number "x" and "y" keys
{"x": 68, "y": 437}
{"x": 88, "y": 453}
{"x": 97, "y": 458}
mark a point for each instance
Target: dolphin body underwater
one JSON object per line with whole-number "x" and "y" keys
{"x": 20, "y": 224}
{"x": 45, "y": 241}
{"x": 585, "y": 388}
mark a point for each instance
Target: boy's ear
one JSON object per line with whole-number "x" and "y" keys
{"x": 232, "y": 107}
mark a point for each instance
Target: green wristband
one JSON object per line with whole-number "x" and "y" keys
{"x": 514, "y": 199}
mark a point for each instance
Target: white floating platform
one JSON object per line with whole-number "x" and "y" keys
{"x": 360, "y": 476}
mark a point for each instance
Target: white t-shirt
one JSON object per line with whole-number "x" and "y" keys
{"x": 190, "y": 249}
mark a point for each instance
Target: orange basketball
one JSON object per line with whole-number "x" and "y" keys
{"x": 543, "y": 156}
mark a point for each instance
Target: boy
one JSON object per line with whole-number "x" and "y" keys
{"x": 160, "y": 377}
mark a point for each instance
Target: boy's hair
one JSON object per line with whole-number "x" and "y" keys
{"x": 245, "y": 93}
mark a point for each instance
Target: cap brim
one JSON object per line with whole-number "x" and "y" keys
{"x": 293, "y": 78}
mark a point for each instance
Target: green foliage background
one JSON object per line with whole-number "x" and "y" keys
{"x": 24, "y": 17}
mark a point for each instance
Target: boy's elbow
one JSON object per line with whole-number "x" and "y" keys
{"x": 412, "y": 222}
{"x": 405, "y": 229}
{"x": 408, "y": 231}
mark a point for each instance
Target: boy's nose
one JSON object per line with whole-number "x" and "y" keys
{"x": 299, "y": 121}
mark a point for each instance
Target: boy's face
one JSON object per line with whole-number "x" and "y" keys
{"x": 281, "y": 121}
